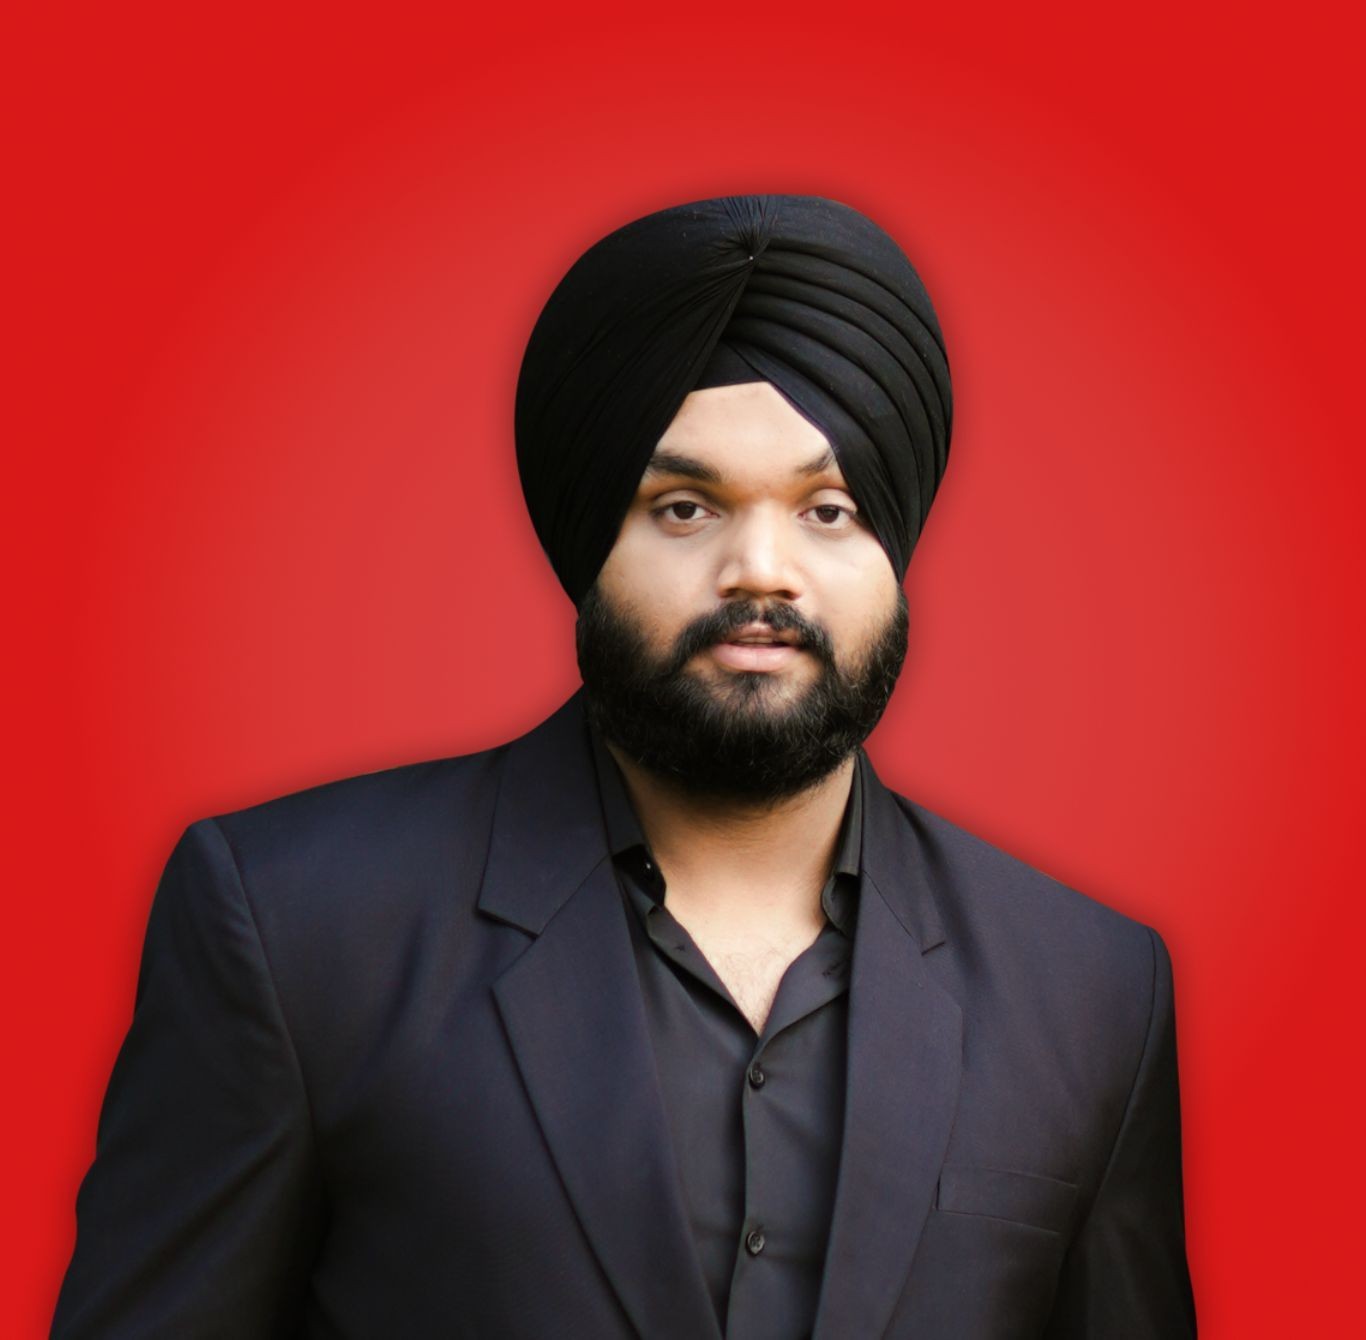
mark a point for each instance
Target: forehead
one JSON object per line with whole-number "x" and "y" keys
{"x": 746, "y": 433}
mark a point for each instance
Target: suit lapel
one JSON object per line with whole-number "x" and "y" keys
{"x": 572, "y": 1008}
{"x": 904, "y": 1069}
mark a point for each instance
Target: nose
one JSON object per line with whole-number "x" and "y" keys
{"x": 759, "y": 559}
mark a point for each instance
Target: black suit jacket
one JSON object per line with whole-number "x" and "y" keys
{"x": 389, "y": 1076}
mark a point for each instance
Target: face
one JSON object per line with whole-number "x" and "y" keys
{"x": 746, "y": 631}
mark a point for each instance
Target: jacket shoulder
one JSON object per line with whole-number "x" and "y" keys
{"x": 375, "y": 833}
{"x": 1006, "y": 910}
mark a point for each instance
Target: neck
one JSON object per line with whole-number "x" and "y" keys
{"x": 724, "y": 861}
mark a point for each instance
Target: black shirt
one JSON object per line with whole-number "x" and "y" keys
{"x": 756, "y": 1121}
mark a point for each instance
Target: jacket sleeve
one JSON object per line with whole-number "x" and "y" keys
{"x": 1125, "y": 1276}
{"x": 201, "y": 1212}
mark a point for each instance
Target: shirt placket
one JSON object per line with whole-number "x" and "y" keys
{"x": 768, "y": 1253}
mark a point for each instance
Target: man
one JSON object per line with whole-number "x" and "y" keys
{"x": 667, "y": 1019}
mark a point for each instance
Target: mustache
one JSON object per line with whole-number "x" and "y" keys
{"x": 718, "y": 625}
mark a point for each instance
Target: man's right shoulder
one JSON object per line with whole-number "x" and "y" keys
{"x": 372, "y": 835}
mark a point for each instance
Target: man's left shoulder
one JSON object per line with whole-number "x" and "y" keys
{"x": 1006, "y": 909}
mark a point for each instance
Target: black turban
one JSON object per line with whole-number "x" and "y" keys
{"x": 799, "y": 291}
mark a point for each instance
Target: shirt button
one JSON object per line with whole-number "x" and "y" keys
{"x": 757, "y": 1076}
{"x": 754, "y": 1242}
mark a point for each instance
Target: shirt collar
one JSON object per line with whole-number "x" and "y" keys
{"x": 627, "y": 844}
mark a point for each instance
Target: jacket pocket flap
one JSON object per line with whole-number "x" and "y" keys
{"x": 1042, "y": 1202}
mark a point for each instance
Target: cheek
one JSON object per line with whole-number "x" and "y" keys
{"x": 856, "y": 566}
{"x": 858, "y": 588}
{"x": 655, "y": 596}
{"x": 641, "y": 575}
{"x": 858, "y": 616}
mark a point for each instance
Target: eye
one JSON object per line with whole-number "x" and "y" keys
{"x": 689, "y": 510}
{"x": 833, "y": 516}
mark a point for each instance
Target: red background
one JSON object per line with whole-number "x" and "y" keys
{"x": 272, "y": 278}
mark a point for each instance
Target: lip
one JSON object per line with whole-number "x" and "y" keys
{"x": 764, "y": 633}
{"x": 738, "y": 656}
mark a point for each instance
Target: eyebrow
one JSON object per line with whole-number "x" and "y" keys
{"x": 674, "y": 463}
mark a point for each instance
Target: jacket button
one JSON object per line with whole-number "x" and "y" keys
{"x": 754, "y": 1242}
{"x": 757, "y": 1076}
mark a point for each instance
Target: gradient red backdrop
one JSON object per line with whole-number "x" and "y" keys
{"x": 272, "y": 275}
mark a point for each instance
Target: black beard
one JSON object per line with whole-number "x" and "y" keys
{"x": 722, "y": 740}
